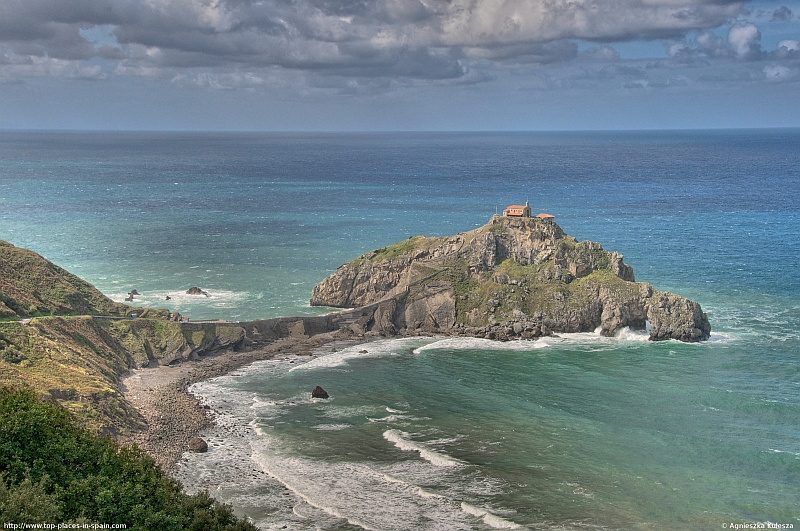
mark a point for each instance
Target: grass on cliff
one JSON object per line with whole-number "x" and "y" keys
{"x": 79, "y": 360}
{"x": 527, "y": 290}
{"x": 31, "y": 286}
{"x": 403, "y": 247}
{"x": 53, "y": 471}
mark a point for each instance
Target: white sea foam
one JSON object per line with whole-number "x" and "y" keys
{"x": 475, "y": 343}
{"x": 718, "y": 337}
{"x": 181, "y": 299}
{"x": 492, "y": 520}
{"x": 375, "y": 349}
{"x": 627, "y": 334}
{"x": 624, "y": 336}
{"x": 332, "y": 427}
{"x": 352, "y": 491}
{"x": 252, "y": 467}
{"x": 389, "y": 418}
{"x": 342, "y": 412}
{"x": 796, "y": 454}
{"x": 401, "y": 441}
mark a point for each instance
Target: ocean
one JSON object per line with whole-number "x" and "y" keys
{"x": 570, "y": 432}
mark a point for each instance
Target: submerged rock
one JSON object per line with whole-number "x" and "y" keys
{"x": 319, "y": 392}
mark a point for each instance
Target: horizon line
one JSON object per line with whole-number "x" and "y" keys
{"x": 392, "y": 131}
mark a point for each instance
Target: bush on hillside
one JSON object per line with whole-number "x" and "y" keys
{"x": 53, "y": 471}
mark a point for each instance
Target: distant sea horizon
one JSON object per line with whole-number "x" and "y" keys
{"x": 17, "y": 130}
{"x": 570, "y": 432}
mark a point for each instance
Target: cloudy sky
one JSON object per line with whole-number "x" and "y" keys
{"x": 331, "y": 65}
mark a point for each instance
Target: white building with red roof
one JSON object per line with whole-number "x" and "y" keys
{"x": 518, "y": 211}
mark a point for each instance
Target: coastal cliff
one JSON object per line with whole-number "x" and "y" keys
{"x": 73, "y": 343}
{"x": 513, "y": 277}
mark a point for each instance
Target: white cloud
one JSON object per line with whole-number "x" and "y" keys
{"x": 603, "y": 53}
{"x": 14, "y": 68}
{"x": 249, "y": 44}
{"x": 779, "y": 74}
{"x": 711, "y": 45}
{"x": 395, "y": 38}
{"x": 743, "y": 38}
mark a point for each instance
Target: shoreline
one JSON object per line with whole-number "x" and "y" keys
{"x": 174, "y": 416}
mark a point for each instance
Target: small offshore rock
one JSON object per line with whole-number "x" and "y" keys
{"x": 194, "y": 290}
{"x": 319, "y": 392}
{"x": 198, "y": 445}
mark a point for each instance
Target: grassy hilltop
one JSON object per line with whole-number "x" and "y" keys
{"x": 31, "y": 286}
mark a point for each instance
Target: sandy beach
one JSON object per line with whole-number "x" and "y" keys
{"x": 174, "y": 416}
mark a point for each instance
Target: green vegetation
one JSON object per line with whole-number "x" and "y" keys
{"x": 527, "y": 288}
{"x": 404, "y": 247}
{"x": 64, "y": 354}
{"x": 397, "y": 249}
{"x": 79, "y": 360}
{"x": 53, "y": 471}
{"x": 31, "y": 286}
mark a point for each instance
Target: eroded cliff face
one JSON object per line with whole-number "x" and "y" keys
{"x": 513, "y": 277}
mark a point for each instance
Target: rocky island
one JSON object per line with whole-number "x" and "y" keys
{"x": 515, "y": 277}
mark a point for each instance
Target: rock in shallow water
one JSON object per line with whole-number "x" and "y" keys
{"x": 319, "y": 392}
{"x": 198, "y": 445}
{"x": 194, "y": 290}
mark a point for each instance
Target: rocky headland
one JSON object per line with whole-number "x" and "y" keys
{"x": 512, "y": 278}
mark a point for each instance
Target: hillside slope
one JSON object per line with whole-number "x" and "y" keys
{"x": 32, "y": 286}
{"x": 65, "y": 353}
{"x": 513, "y": 277}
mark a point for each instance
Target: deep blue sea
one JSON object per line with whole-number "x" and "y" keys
{"x": 571, "y": 432}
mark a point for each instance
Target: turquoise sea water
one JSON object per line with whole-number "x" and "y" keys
{"x": 573, "y": 432}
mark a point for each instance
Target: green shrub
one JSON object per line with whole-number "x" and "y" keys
{"x": 53, "y": 471}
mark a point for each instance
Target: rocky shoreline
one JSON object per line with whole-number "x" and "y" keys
{"x": 513, "y": 277}
{"x": 173, "y": 415}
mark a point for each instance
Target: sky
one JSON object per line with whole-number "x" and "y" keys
{"x": 398, "y": 65}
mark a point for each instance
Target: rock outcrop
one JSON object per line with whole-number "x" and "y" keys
{"x": 194, "y": 290}
{"x": 319, "y": 392}
{"x": 513, "y": 277}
